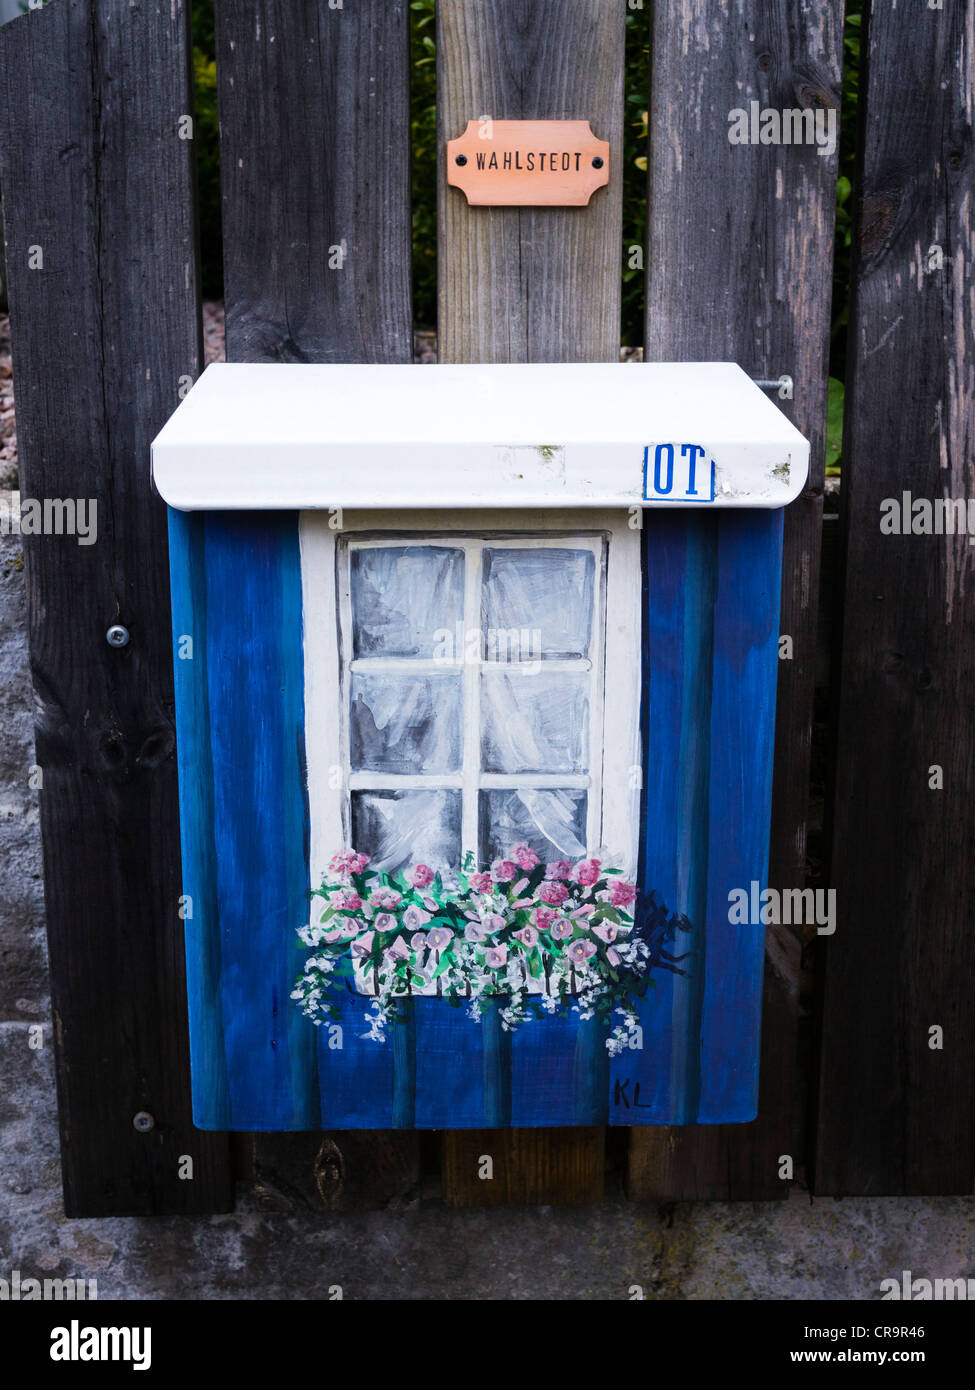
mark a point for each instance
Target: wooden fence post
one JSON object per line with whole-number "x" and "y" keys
{"x": 97, "y": 171}
{"x": 739, "y": 268}
{"x": 529, "y": 285}
{"x": 315, "y": 172}
{"x": 896, "y": 1103}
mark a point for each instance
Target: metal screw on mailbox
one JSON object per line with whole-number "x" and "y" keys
{"x": 597, "y": 162}
{"x": 462, "y": 159}
{"x": 143, "y": 1122}
{"x": 117, "y": 636}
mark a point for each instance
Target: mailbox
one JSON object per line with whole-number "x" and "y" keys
{"x": 475, "y": 690}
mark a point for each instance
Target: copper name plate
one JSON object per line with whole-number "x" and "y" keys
{"x": 528, "y": 163}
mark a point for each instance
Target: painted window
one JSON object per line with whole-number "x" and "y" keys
{"x": 489, "y": 688}
{"x": 472, "y": 673}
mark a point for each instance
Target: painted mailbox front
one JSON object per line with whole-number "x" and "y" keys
{"x": 466, "y": 789}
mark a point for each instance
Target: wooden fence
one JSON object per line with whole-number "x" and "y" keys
{"x": 98, "y": 186}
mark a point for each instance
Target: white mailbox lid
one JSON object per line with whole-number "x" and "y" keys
{"x": 263, "y": 436}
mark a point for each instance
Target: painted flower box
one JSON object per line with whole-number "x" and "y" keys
{"x": 537, "y": 937}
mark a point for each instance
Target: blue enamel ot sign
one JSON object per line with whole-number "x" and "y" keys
{"x": 677, "y": 473}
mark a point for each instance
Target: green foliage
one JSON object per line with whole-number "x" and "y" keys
{"x": 834, "y": 426}
{"x": 844, "y": 231}
{"x": 844, "y": 186}
{"x": 423, "y": 123}
{"x": 203, "y": 27}
{"x": 206, "y": 144}
{"x": 635, "y": 144}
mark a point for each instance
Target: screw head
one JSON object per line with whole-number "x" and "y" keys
{"x": 598, "y": 162}
{"x": 143, "y": 1121}
{"x": 461, "y": 159}
{"x": 117, "y": 636}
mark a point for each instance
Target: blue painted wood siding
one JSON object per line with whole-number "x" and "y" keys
{"x": 710, "y": 651}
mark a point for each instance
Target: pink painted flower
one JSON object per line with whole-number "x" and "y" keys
{"x": 580, "y": 950}
{"x": 399, "y": 950}
{"x": 492, "y": 922}
{"x": 524, "y": 856}
{"x": 559, "y": 868}
{"x": 418, "y": 941}
{"x": 420, "y": 877}
{"x": 414, "y": 918}
{"x": 543, "y": 917}
{"x": 613, "y": 956}
{"x": 606, "y": 931}
{"x": 439, "y": 937}
{"x": 496, "y": 956}
{"x": 384, "y": 921}
{"x": 346, "y": 900}
{"x": 528, "y": 936}
{"x": 622, "y": 894}
{"x": 503, "y": 871}
{"x": 474, "y": 932}
{"x": 347, "y": 862}
{"x": 481, "y": 883}
{"x": 561, "y": 929}
{"x": 553, "y": 892}
{"x": 362, "y": 944}
{"x": 384, "y": 897}
{"x": 346, "y": 928}
{"x": 586, "y": 872}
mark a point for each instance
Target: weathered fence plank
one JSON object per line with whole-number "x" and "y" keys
{"x": 314, "y": 140}
{"x": 523, "y": 285}
{"x": 739, "y": 267}
{"x": 530, "y": 284}
{"x": 99, "y": 222}
{"x": 315, "y": 172}
{"x": 896, "y": 1105}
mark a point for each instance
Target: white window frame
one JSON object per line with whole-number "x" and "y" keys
{"x": 615, "y": 778}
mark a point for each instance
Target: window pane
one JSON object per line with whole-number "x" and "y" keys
{"x": 405, "y": 724}
{"x": 535, "y": 723}
{"x": 544, "y": 591}
{"x": 402, "y": 596}
{"x": 553, "y": 823}
{"x": 410, "y": 827}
